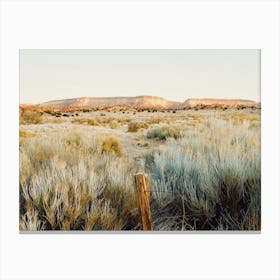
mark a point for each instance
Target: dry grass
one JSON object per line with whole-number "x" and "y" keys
{"x": 86, "y": 121}
{"x": 112, "y": 146}
{"x": 93, "y": 122}
{"x": 30, "y": 117}
{"x": 114, "y": 124}
{"x": 155, "y": 120}
{"x": 24, "y": 136}
{"x": 67, "y": 184}
{"x": 205, "y": 175}
{"x": 208, "y": 180}
{"x": 164, "y": 132}
{"x": 136, "y": 126}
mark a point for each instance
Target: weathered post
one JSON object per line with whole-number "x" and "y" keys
{"x": 143, "y": 192}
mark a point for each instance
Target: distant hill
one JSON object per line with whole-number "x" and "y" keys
{"x": 140, "y": 102}
{"x": 232, "y": 103}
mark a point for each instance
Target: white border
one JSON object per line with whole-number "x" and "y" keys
{"x": 140, "y": 24}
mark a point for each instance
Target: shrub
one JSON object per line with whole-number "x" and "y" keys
{"x": 114, "y": 124}
{"x": 111, "y": 146}
{"x": 162, "y": 133}
{"x": 30, "y": 221}
{"x": 207, "y": 183}
{"x": 135, "y": 126}
{"x": 63, "y": 187}
{"x": 24, "y": 136}
{"x": 143, "y": 144}
{"x": 86, "y": 121}
{"x": 79, "y": 121}
{"x": 93, "y": 123}
{"x": 57, "y": 121}
{"x": 31, "y": 117}
{"x": 154, "y": 121}
{"x": 208, "y": 179}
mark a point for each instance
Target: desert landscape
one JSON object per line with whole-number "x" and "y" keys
{"x": 79, "y": 156}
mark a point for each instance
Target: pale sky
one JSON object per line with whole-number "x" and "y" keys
{"x": 172, "y": 74}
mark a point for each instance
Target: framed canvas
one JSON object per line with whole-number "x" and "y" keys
{"x": 161, "y": 140}
{"x": 116, "y": 168}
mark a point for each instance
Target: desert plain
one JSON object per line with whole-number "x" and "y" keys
{"x": 78, "y": 162}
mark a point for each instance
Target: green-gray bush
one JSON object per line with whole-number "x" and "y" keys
{"x": 207, "y": 185}
{"x": 164, "y": 132}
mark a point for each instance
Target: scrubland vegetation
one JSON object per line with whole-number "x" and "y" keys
{"x": 77, "y": 173}
{"x": 31, "y": 117}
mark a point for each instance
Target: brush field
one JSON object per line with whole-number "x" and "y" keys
{"x": 77, "y": 169}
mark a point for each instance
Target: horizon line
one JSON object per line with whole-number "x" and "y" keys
{"x": 98, "y": 97}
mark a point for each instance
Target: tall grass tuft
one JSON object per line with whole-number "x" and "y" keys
{"x": 111, "y": 146}
{"x": 136, "y": 126}
{"x": 68, "y": 184}
{"x": 164, "y": 132}
{"x": 207, "y": 184}
{"x": 30, "y": 117}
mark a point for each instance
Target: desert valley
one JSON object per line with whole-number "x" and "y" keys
{"x": 78, "y": 158}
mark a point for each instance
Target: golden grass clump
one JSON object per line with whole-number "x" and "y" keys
{"x": 24, "y": 136}
{"x": 79, "y": 121}
{"x": 136, "y": 126}
{"x": 238, "y": 119}
{"x": 155, "y": 121}
{"x": 31, "y": 117}
{"x": 86, "y": 121}
{"x": 114, "y": 124}
{"x": 124, "y": 121}
{"x": 255, "y": 125}
{"x": 93, "y": 122}
{"x": 111, "y": 146}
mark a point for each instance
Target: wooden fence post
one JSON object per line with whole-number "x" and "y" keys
{"x": 143, "y": 192}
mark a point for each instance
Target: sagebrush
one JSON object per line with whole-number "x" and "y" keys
{"x": 204, "y": 170}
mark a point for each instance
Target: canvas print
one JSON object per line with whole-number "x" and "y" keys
{"x": 139, "y": 140}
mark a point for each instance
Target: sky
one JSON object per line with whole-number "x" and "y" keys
{"x": 172, "y": 74}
